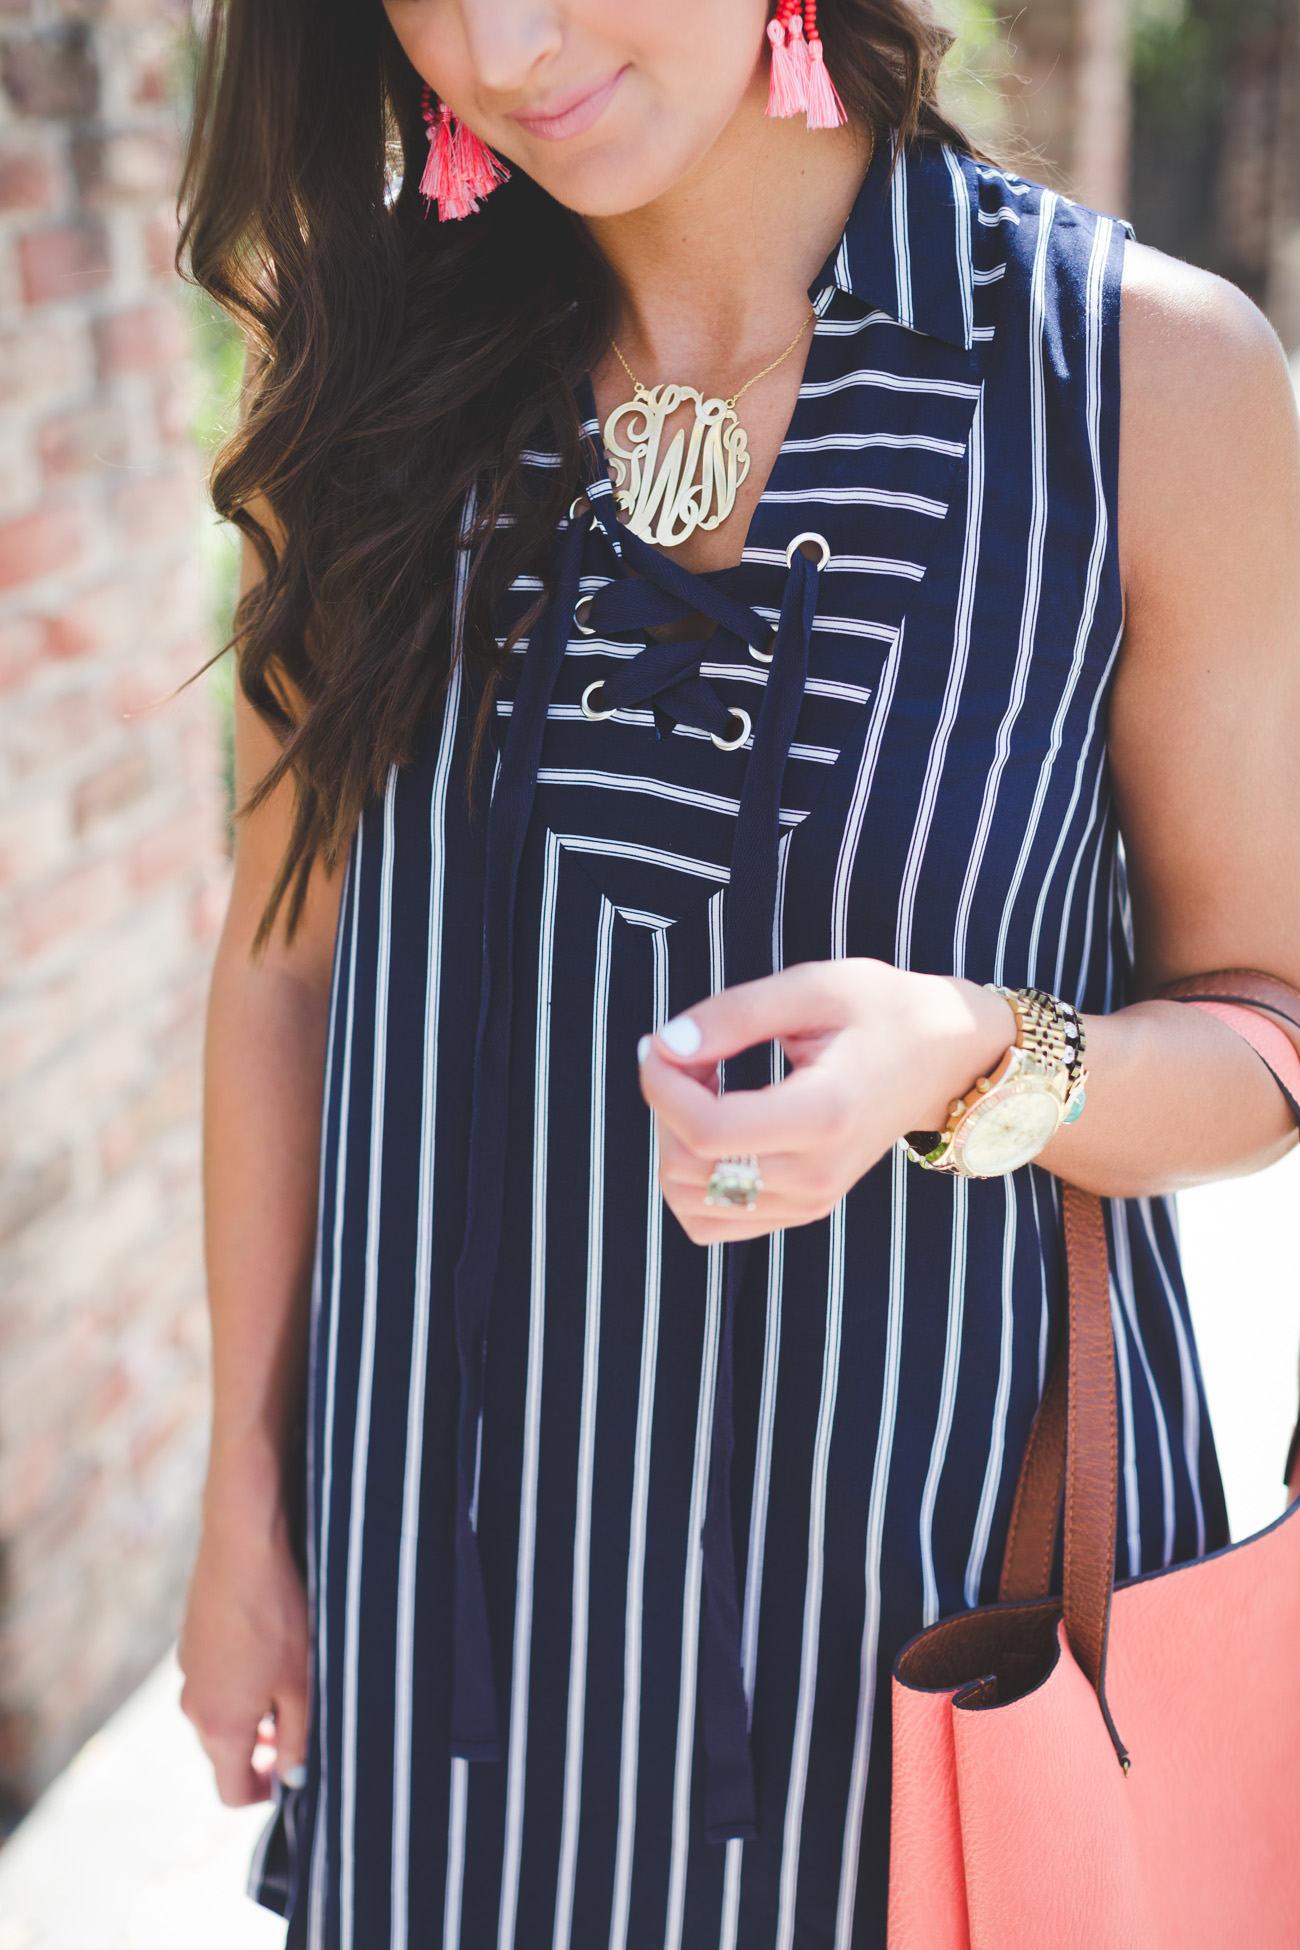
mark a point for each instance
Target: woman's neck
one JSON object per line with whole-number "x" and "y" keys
{"x": 714, "y": 275}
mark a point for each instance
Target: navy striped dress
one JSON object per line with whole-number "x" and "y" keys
{"x": 945, "y": 805}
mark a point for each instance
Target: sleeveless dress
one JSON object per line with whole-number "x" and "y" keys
{"x": 651, "y": 1528}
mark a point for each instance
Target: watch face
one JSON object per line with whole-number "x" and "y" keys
{"x": 1006, "y": 1132}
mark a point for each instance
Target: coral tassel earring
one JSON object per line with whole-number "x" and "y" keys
{"x": 460, "y": 170}
{"x": 787, "y": 92}
{"x": 825, "y": 109}
{"x": 799, "y": 83}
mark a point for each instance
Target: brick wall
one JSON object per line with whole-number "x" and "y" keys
{"x": 112, "y": 874}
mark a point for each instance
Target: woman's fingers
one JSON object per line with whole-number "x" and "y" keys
{"x": 809, "y": 1108}
{"x": 806, "y": 1000}
{"x": 291, "y": 1736}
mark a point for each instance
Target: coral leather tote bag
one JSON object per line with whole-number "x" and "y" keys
{"x": 1113, "y": 1769}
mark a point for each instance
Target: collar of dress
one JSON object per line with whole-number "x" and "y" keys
{"x": 906, "y": 248}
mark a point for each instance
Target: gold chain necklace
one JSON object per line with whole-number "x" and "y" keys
{"x": 695, "y": 483}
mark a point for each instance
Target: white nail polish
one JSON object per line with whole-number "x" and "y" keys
{"x": 643, "y": 1048}
{"x": 294, "y": 1778}
{"x": 682, "y": 1035}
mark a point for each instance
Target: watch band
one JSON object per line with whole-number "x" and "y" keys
{"x": 1047, "y": 1027}
{"x": 1049, "y": 1043}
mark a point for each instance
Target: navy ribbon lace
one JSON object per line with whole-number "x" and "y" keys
{"x": 652, "y": 592}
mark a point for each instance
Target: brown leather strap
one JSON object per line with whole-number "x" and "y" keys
{"x": 1036, "y": 1512}
{"x": 1080, "y": 1445}
{"x": 1092, "y": 1442}
{"x": 1276, "y": 998}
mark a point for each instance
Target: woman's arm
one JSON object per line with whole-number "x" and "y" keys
{"x": 244, "y": 1645}
{"x": 1204, "y": 733}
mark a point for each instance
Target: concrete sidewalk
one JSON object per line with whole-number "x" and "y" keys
{"x": 131, "y": 1850}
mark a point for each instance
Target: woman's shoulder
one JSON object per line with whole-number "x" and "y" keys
{"x": 1196, "y": 342}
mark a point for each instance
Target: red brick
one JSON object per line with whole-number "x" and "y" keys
{"x": 175, "y": 413}
{"x": 43, "y": 360}
{"x": 75, "y": 903}
{"x": 138, "y": 163}
{"x": 111, "y": 788}
{"x": 55, "y": 729}
{"x": 171, "y": 1100}
{"x": 21, "y": 642}
{"x": 140, "y": 340}
{"x": 98, "y": 619}
{"x": 51, "y": 74}
{"x": 26, "y": 182}
{"x": 208, "y": 909}
{"x": 38, "y": 544}
{"x": 84, "y": 441}
{"x": 64, "y": 262}
{"x": 172, "y": 849}
{"x": 160, "y": 245}
{"x": 148, "y": 510}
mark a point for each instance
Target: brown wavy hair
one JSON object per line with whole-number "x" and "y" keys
{"x": 398, "y": 364}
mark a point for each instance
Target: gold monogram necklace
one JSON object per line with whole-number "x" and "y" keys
{"x": 693, "y": 485}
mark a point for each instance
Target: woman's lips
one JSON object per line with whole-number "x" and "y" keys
{"x": 571, "y": 114}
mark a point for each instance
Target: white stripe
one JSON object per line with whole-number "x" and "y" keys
{"x": 365, "y": 1384}
{"x": 734, "y": 1865}
{"x": 404, "y": 1671}
{"x": 813, "y": 686}
{"x": 853, "y": 443}
{"x": 838, "y": 626}
{"x": 857, "y": 497}
{"x": 1100, "y": 693}
{"x": 316, "y": 1901}
{"x": 521, "y": 1662}
{"x": 1044, "y": 1304}
{"x": 849, "y": 328}
{"x": 810, "y": 1644}
{"x": 1092, "y": 585}
{"x": 1001, "y": 1401}
{"x": 875, "y": 1533}
{"x": 992, "y": 218}
{"x": 1075, "y": 993}
{"x": 1123, "y": 1274}
{"x": 1132, "y": 1499}
{"x": 962, "y": 247}
{"x": 574, "y": 714}
{"x": 408, "y": 1557}
{"x": 686, "y": 1700}
{"x": 577, "y": 1704}
{"x": 1187, "y": 1379}
{"x": 317, "y": 1315}
{"x": 681, "y": 795}
{"x": 947, "y": 1399}
{"x": 1033, "y": 580}
{"x": 457, "y": 1820}
{"x": 871, "y": 565}
{"x": 650, "y": 856}
{"x": 993, "y": 276}
{"x": 629, "y": 1749}
{"x": 902, "y": 242}
{"x": 888, "y": 382}
{"x": 840, "y": 890}
{"x": 957, "y": 664}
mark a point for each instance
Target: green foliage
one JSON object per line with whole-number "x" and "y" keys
{"x": 218, "y": 370}
{"x": 973, "y": 75}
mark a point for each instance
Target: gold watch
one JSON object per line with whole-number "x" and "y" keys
{"x": 1006, "y": 1119}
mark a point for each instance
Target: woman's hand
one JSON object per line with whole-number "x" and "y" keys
{"x": 874, "y": 1052}
{"x": 244, "y": 1649}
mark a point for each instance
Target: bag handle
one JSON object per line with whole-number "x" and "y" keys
{"x": 1072, "y": 1454}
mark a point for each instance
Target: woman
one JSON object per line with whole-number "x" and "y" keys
{"x": 980, "y": 549}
